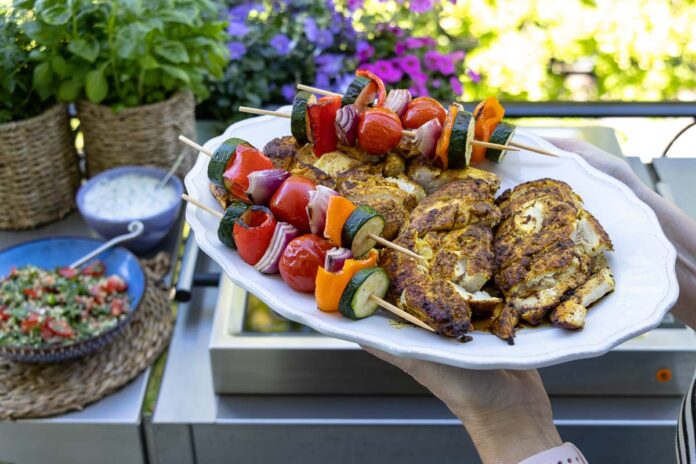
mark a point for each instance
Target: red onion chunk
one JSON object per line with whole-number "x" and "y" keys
{"x": 347, "y": 125}
{"x": 283, "y": 234}
{"x": 336, "y": 258}
{"x": 263, "y": 184}
{"x": 427, "y": 136}
{"x": 398, "y": 100}
{"x": 317, "y": 206}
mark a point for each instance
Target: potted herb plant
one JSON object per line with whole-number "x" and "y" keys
{"x": 135, "y": 69}
{"x": 38, "y": 164}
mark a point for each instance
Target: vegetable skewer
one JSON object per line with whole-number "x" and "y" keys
{"x": 376, "y": 299}
{"x": 371, "y": 235}
{"x": 407, "y": 133}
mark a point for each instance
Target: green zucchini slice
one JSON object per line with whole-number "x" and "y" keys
{"x": 355, "y": 303}
{"x": 362, "y": 221}
{"x": 502, "y": 135}
{"x": 224, "y": 232}
{"x": 221, "y": 159}
{"x": 361, "y": 92}
{"x": 299, "y": 122}
{"x": 459, "y": 150}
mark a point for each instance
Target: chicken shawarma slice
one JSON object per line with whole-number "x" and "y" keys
{"x": 571, "y": 313}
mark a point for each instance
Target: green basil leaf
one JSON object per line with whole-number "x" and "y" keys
{"x": 147, "y": 62}
{"x": 60, "y": 66}
{"x": 175, "y": 72}
{"x": 172, "y": 51}
{"x": 96, "y": 86}
{"x": 178, "y": 16}
{"x": 69, "y": 91}
{"x": 87, "y": 49}
{"x": 128, "y": 38}
{"x": 55, "y": 15}
{"x": 43, "y": 80}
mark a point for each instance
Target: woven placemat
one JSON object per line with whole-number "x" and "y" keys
{"x": 41, "y": 390}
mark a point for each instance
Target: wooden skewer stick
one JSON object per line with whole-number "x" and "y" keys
{"x": 534, "y": 149}
{"x": 396, "y": 247}
{"x": 195, "y": 146}
{"x": 317, "y": 90}
{"x": 205, "y": 208}
{"x": 246, "y": 109}
{"x": 400, "y": 312}
{"x": 493, "y": 145}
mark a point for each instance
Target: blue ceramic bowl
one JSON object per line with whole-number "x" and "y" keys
{"x": 60, "y": 251}
{"x": 156, "y": 225}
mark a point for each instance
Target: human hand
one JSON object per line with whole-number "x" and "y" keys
{"x": 506, "y": 412}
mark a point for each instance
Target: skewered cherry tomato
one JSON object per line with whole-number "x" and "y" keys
{"x": 252, "y": 232}
{"x": 301, "y": 260}
{"x": 421, "y": 110}
{"x": 289, "y": 202}
{"x": 379, "y": 130}
{"x": 246, "y": 160}
{"x": 322, "y": 116}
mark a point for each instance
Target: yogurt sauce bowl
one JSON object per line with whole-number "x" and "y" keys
{"x": 113, "y": 198}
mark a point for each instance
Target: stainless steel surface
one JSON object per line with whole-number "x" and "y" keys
{"x": 111, "y": 426}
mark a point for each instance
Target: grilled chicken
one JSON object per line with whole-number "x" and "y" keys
{"x": 451, "y": 229}
{"x": 393, "y": 198}
{"x": 546, "y": 247}
{"x": 431, "y": 178}
{"x": 286, "y": 154}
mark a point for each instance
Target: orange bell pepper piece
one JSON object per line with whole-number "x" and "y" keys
{"x": 488, "y": 114}
{"x": 443, "y": 144}
{"x": 337, "y": 213}
{"x": 331, "y": 285}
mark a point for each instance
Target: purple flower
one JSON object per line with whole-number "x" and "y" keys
{"x": 456, "y": 86}
{"x": 343, "y": 82}
{"x": 432, "y": 60}
{"x": 281, "y": 43}
{"x": 324, "y": 39}
{"x": 436, "y": 83}
{"x": 387, "y": 71}
{"x": 419, "y": 78}
{"x": 409, "y": 64}
{"x": 365, "y": 50}
{"x": 445, "y": 65}
{"x": 414, "y": 42}
{"x": 457, "y": 56}
{"x": 368, "y": 67}
{"x": 237, "y": 50}
{"x": 355, "y": 4}
{"x": 237, "y": 28}
{"x": 322, "y": 81}
{"x": 241, "y": 12}
{"x": 421, "y": 6}
{"x": 399, "y": 48}
{"x": 311, "y": 29}
{"x": 473, "y": 75}
{"x": 288, "y": 92}
{"x": 329, "y": 63}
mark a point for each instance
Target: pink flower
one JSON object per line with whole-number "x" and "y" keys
{"x": 409, "y": 64}
{"x": 365, "y": 50}
{"x": 445, "y": 65}
{"x": 473, "y": 75}
{"x": 387, "y": 71}
{"x": 432, "y": 59}
{"x": 421, "y": 6}
{"x": 456, "y": 86}
{"x": 457, "y": 56}
{"x": 414, "y": 42}
{"x": 399, "y": 48}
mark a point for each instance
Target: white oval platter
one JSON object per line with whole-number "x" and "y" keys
{"x": 643, "y": 265}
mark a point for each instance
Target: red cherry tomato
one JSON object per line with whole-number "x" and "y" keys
{"x": 115, "y": 284}
{"x": 301, "y": 260}
{"x": 379, "y": 130}
{"x": 95, "y": 269}
{"x": 289, "y": 202}
{"x": 246, "y": 160}
{"x": 252, "y": 233}
{"x": 4, "y": 315}
{"x": 60, "y": 328}
{"x": 421, "y": 110}
{"x": 30, "y": 323}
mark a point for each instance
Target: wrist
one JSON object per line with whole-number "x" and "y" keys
{"x": 531, "y": 429}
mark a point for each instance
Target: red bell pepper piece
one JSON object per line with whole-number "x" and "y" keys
{"x": 322, "y": 116}
{"x": 488, "y": 114}
{"x": 252, "y": 232}
{"x": 381, "y": 90}
{"x": 246, "y": 160}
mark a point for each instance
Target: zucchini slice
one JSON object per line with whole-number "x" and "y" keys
{"x": 361, "y": 92}
{"x": 224, "y": 232}
{"x": 355, "y": 303}
{"x": 299, "y": 122}
{"x": 459, "y": 150}
{"x": 221, "y": 159}
{"x": 361, "y": 222}
{"x": 502, "y": 134}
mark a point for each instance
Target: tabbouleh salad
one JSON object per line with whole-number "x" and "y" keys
{"x": 40, "y": 307}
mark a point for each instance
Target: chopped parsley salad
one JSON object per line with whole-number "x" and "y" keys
{"x": 40, "y": 307}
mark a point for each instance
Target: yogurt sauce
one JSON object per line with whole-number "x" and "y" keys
{"x": 129, "y": 196}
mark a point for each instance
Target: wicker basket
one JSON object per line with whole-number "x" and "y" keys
{"x": 39, "y": 170}
{"x": 144, "y": 135}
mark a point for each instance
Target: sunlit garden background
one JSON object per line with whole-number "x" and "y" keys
{"x": 253, "y": 52}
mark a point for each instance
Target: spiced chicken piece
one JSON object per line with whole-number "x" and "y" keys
{"x": 452, "y": 230}
{"x": 547, "y": 249}
{"x": 285, "y": 153}
{"x": 431, "y": 177}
